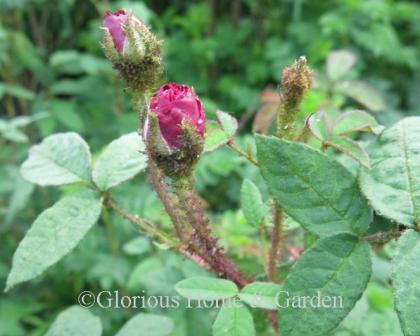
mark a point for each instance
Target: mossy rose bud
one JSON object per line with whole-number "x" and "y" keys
{"x": 295, "y": 83}
{"x": 174, "y": 130}
{"x": 174, "y": 104}
{"x": 133, "y": 49}
{"x": 115, "y": 22}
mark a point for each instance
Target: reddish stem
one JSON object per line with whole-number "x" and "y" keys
{"x": 275, "y": 243}
{"x": 216, "y": 255}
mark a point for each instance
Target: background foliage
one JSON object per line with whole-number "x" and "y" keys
{"x": 54, "y": 78}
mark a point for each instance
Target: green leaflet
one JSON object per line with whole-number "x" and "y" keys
{"x": 234, "y": 320}
{"x": 313, "y": 189}
{"x": 75, "y": 321}
{"x": 60, "y": 158}
{"x": 356, "y": 120}
{"x": 363, "y": 93}
{"x": 203, "y": 288}
{"x": 336, "y": 266}
{"x": 137, "y": 246}
{"x": 392, "y": 186}
{"x": 147, "y": 324}
{"x": 121, "y": 160}
{"x": 260, "y": 294}
{"x": 227, "y": 123}
{"x": 252, "y": 203}
{"x": 215, "y": 136}
{"x": 339, "y": 62}
{"x": 21, "y": 195}
{"x": 349, "y": 147}
{"x": 406, "y": 282}
{"x": 54, "y": 234}
{"x": 221, "y": 132}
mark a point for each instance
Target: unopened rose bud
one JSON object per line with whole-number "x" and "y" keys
{"x": 133, "y": 49}
{"x": 295, "y": 83}
{"x": 175, "y": 128}
{"x": 174, "y": 104}
{"x": 115, "y": 22}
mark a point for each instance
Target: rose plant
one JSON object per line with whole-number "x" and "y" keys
{"x": 336, "y": 204}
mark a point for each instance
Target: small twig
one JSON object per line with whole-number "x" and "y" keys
{"x": 153, "y": 232}
{"x": 275, "y": 243}
{"x": 142, "y": 223}
{"x": 241, "y": 152}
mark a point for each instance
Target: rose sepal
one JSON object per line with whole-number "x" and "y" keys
{"x": 174, "y": 163}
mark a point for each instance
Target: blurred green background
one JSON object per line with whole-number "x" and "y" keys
{"x": 54, "y": 78}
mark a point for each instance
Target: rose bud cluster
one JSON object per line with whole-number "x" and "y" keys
{"x": 174, "y": 129}
{"x": 133, "y": 50}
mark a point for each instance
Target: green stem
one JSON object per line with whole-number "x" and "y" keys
{"x": 241, "y": 152}
{"x": 155, "y": 233}
{"x": 110, "y": 231}
{"x": 286, "y": 118}
{"x": 142, "y": 224}
{"x": 141, "y": 103}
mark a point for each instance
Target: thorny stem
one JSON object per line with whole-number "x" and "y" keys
{"x": 275, "y": 243}
{"x": 241, "y": 152}
{"x": 167, "y": 199}
{"x": 184, "y": 208}
{"x": 179, "y": 219}
{"x": 190, "y": 203}
{"x": 213, "y": 253}
{"x": 284, "y": 129}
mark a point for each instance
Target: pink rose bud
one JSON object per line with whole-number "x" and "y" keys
{"x": 175, "y": 104}
{"x": 133, "y": 50}
{"x": 115, "y": 22}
